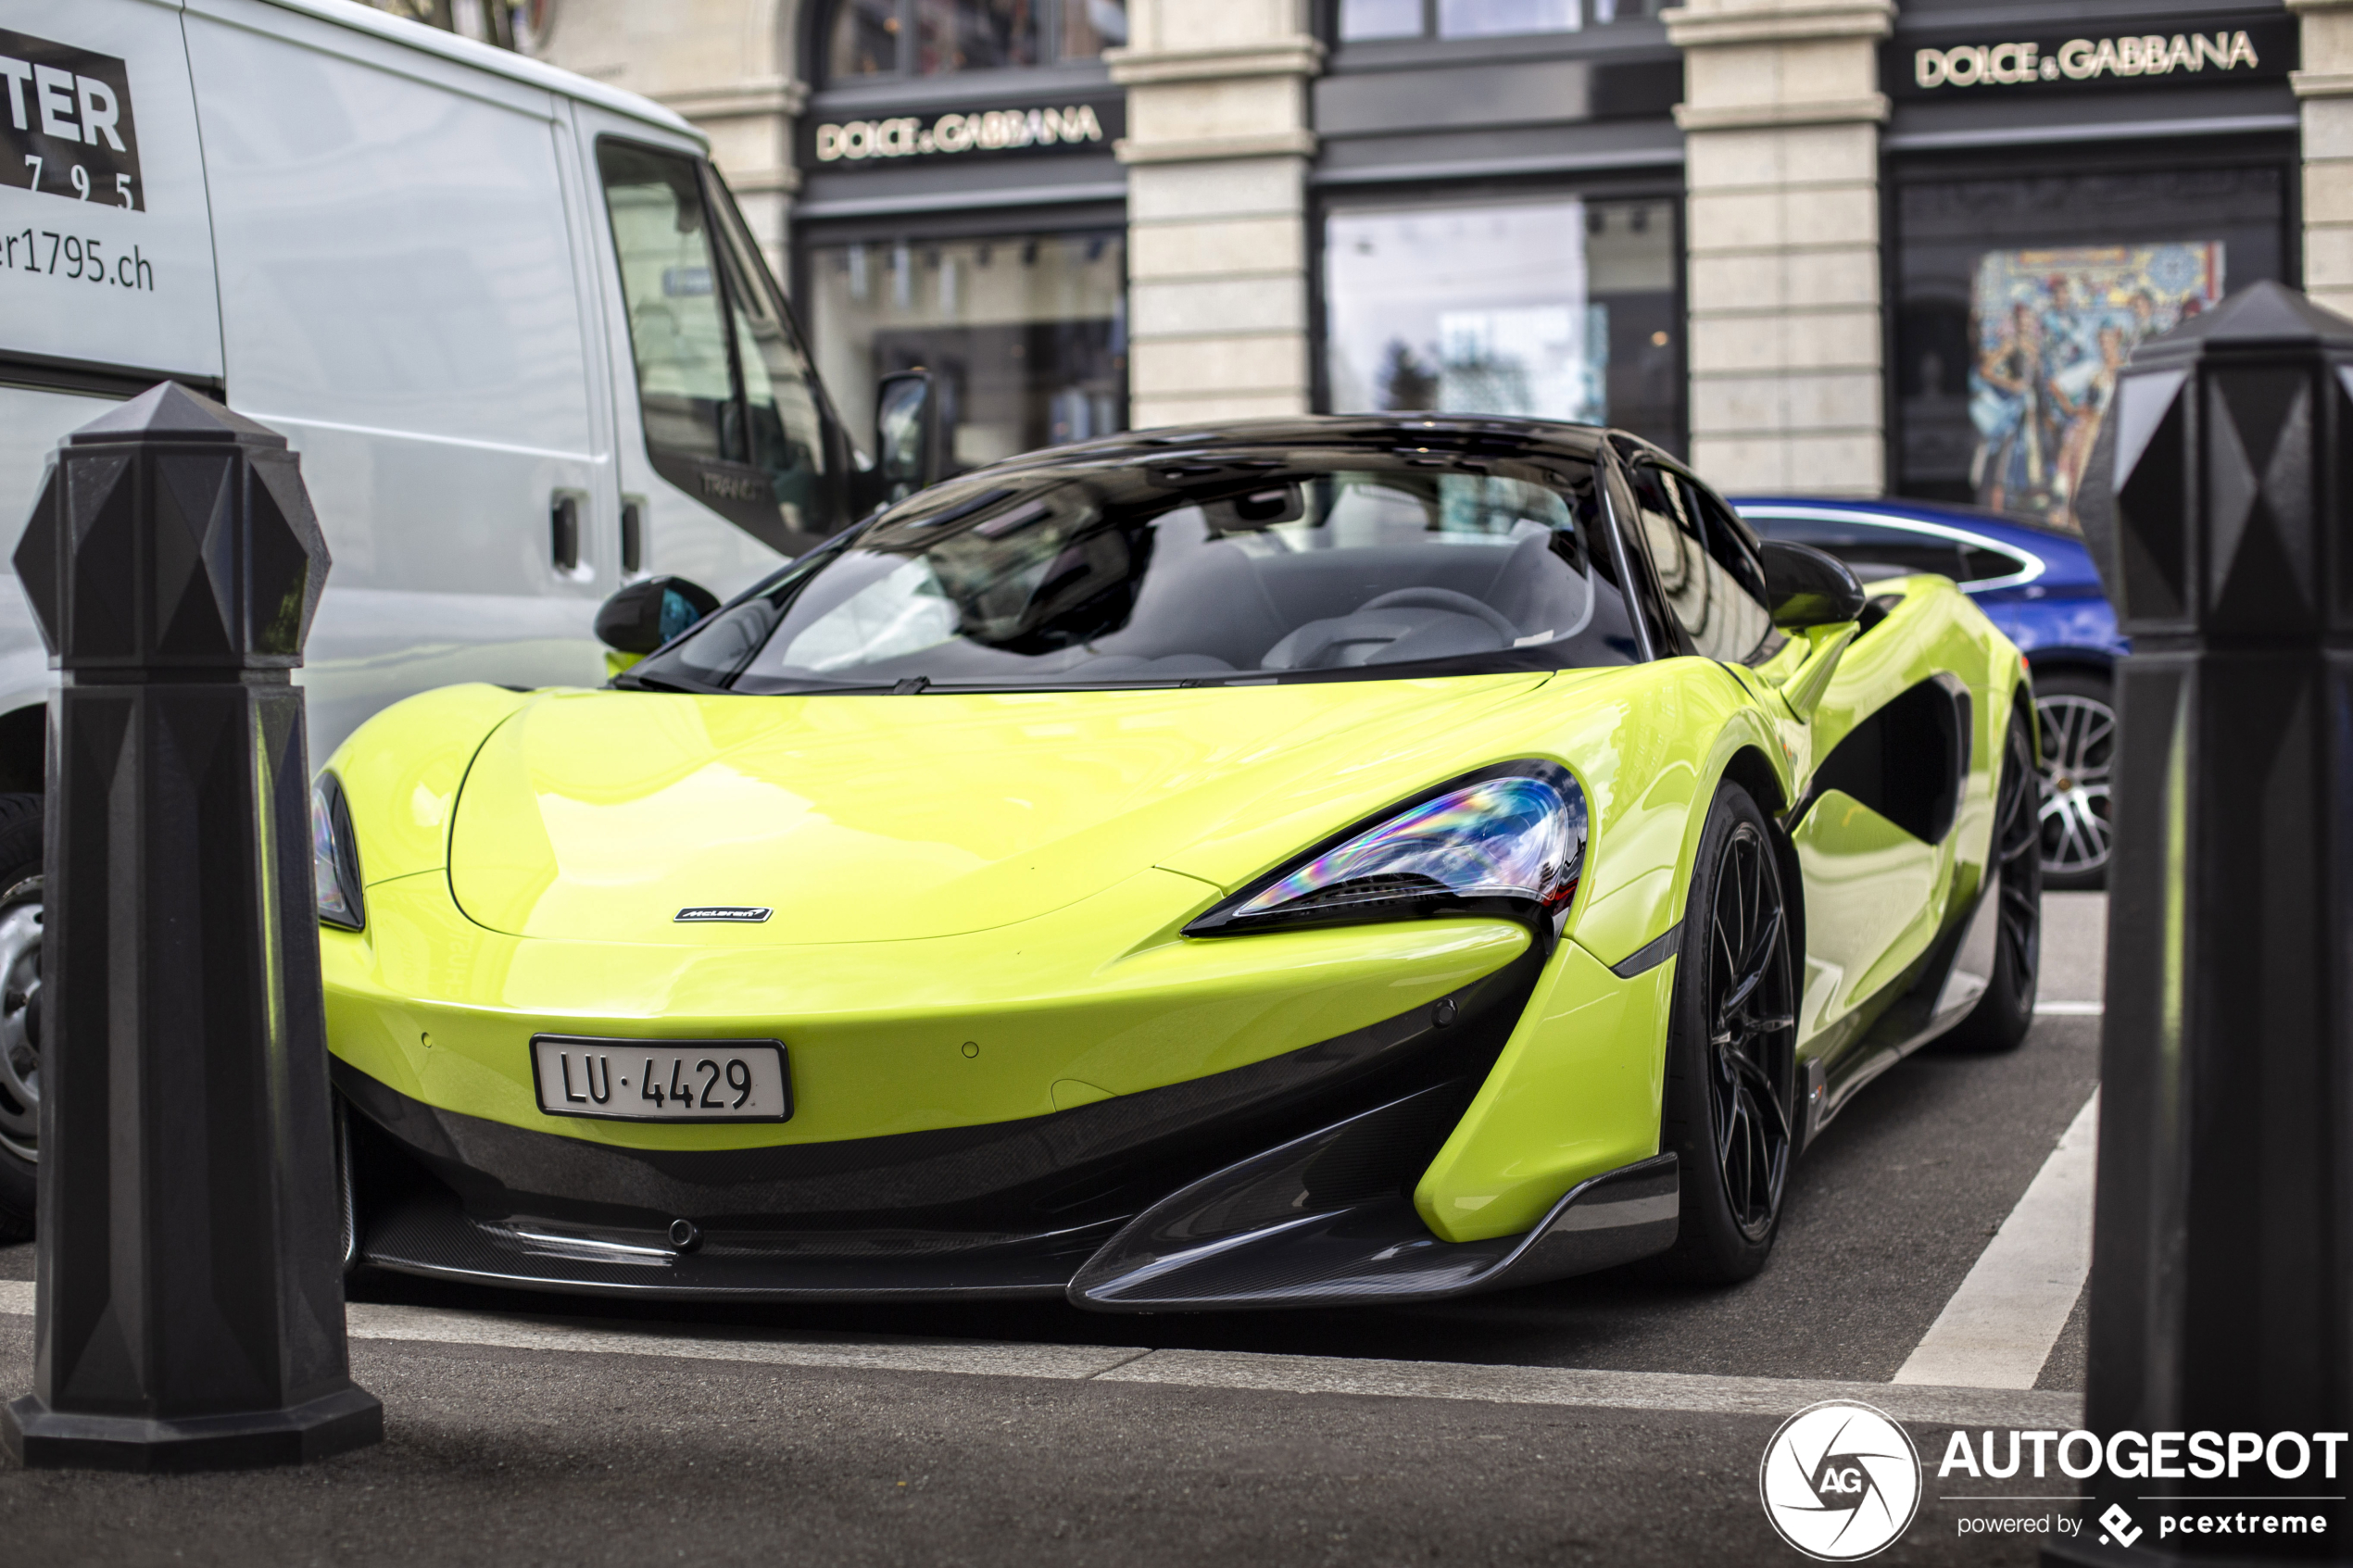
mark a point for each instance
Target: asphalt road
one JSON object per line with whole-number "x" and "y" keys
{"x": 525, "y": 1456}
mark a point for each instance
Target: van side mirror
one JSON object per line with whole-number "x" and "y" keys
{"x": 650, "y": 611}
{"x": 907, "y": 434}
{"x": 1806, "y": 586}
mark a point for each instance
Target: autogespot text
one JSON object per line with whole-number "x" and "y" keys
{"x": 2132, "y": 1456}
{"x": 2153, "y": 1457}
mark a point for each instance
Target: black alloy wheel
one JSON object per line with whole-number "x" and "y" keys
{"x": 2078, "y": 716}
{"x": 2006, "y": 1011}
{"x": 1731, "y": 1070}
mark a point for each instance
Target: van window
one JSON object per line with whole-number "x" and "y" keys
{"x": 730, "y": 412}
{"x": 785, "y": 427}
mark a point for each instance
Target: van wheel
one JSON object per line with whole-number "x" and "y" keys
{"x": 19, "y": 1011}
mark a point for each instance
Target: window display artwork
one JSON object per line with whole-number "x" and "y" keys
{"x": 2050, "y": 329}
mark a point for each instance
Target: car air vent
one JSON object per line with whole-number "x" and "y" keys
{"x": 1874, "y": 609}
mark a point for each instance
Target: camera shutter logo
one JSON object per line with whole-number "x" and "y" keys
{"x": 1840, "y": 1481}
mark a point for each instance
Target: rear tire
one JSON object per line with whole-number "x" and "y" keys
{"x": 2003, "y": 1015}
{"x": 20, "y": 1012}
{"x": 1731, "y": 1051}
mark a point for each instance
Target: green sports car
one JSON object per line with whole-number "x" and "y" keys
{"x": 1272, "y": 863}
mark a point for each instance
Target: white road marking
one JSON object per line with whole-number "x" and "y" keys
{"x": 1998, "y": 1329}
{"x": 2068, "y": 1010}
{"x": 1192, "y": 1368}
{"x": 1566, "y": 1386}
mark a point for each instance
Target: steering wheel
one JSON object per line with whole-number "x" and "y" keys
{"x": 1445, "y": 600}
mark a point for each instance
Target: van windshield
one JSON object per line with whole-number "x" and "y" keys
{"x": 1283, "y": 567}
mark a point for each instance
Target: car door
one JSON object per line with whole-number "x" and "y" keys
{"x": 399, "y": 296}
{"x": 1867, "y": 838}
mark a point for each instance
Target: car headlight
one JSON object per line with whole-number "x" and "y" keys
{"x": 1506, "y": 840}
{"x": 334, "y": 857}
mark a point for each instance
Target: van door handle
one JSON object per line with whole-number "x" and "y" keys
{"x": 563, "y": 533}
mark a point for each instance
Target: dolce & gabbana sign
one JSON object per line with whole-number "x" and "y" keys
{"x": 2240, "y": 49}
{"x": 865, "y": 143}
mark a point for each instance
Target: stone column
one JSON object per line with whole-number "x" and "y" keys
{"x": 1217, "y": 148}
{"x": 2326, "y": 87}
{"x": 1780, "y": 116}
{"x": 726, "y": 65}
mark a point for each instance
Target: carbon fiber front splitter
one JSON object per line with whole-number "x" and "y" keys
{"x": 1317, "y": 1222}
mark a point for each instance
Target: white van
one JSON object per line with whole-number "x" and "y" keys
{"x": 509, "y": 318}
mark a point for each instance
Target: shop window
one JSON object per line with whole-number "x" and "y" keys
{"x": 1363, "y": 22}
{"x": 1561, "y": 309}
{"x": 2022, "y": 297}
{"x": 902, "y": 38}
{"x": 1026, "y": 334}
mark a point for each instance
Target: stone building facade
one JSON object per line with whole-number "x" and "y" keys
{"x": 1834, "y": 246}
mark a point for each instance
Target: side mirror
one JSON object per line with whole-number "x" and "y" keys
{"x": 650, "y": 611}
{"x": 906, "y": 433}
{"x": 1808, "y": 588}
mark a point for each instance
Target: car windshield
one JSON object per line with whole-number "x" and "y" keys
{"x": 1239, "y": 565}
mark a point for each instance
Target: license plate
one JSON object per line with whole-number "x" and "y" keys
{"x": 662, "y": 1080}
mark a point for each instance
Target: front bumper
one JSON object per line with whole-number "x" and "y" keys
{"x": 1006, "y": 1208}
{"x": 1284, "y": 1183}
{"x": 1477, "y": 1077}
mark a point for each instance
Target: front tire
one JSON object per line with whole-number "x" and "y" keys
{"x": 1731, "y": 1051}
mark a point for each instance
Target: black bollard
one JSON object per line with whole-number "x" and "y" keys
{"x": 190, "y": 1305}
{"x": 2222, "y": 501}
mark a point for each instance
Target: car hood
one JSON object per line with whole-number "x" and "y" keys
{"x": 602, "y": 815}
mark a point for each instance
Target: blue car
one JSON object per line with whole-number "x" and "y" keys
{"x": 2038, "y": 585}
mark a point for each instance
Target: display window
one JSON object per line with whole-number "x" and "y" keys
{"x": 2020, "y": 298}
{"x": 1363, "y": 21}
{"x": 1557, "y": 308}
{"x": 924, "y": 38}
{"x": 1024, "y": 334}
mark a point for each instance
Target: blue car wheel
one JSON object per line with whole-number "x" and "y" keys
{"x": 2077, "y": 713}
